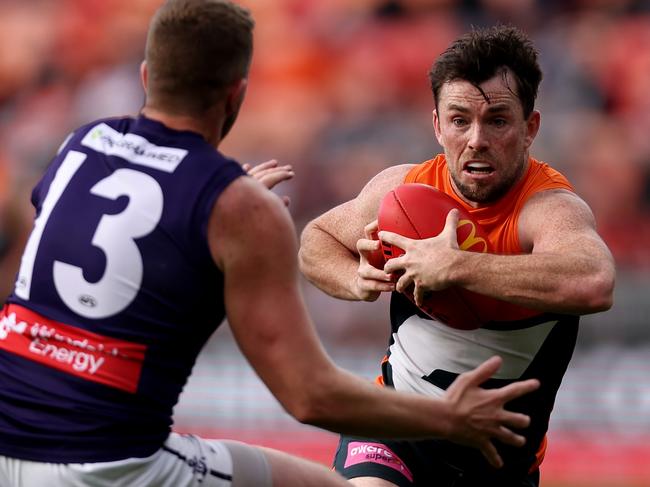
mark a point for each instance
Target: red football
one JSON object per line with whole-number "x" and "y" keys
{"x": 419, "y": 211}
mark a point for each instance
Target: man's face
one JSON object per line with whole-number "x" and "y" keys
{"x": 486, "y": 142}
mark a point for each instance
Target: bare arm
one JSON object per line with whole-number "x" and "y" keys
{"x": 569, "y": 268}
{"x": 253, "y": 241}
{"x": 329, "y": 257}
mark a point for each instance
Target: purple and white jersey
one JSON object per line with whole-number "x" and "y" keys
{"x": 116, "y": 294}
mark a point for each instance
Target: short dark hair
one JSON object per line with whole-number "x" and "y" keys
{"x": 481, "y": 53}
{"x": 195, "y": 49}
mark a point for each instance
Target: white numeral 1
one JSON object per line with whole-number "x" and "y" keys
{"x": 72, "y": 162}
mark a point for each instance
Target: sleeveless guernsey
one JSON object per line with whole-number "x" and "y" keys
{"x": 116, "y": 294}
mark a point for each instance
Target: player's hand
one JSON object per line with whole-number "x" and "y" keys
{"x": 370, "y": 281}
{"x": 481, "y": 414}
{"x": 426, "y": 264}
{"x": 270, "y": 174}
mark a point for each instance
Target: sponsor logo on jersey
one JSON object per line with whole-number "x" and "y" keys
{"x": 112, "y": 362}
{"x": 359, "y": 452}
{"x": 133, "y": 148}
{"x": 472, "y": 242}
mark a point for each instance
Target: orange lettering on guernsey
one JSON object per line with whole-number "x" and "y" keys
{"x": 109, "y": 361}
{"x": 471, "y": 239}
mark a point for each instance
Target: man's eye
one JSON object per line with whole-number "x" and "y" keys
{"x": 499, "y": 122}
{"x": 458, "y": 122}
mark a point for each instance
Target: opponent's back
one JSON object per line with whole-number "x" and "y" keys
{"x": 116, "y": 294}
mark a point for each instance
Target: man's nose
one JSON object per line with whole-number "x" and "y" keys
{"x": 478, "y": 138}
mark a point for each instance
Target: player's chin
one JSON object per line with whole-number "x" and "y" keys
{"x": 479, "y": 193}
{"x": 480, "y": 181}
{"x": 480, "y": 190}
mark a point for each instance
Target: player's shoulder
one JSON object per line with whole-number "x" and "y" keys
{"x": 388, "y": 178}
{"x": 77, "y": 136}
{"x": 247, "y": 196}
{"x": 393, "y": 176}
{"x": 543, "y": 174}
{"x": 555, "y": 199}
{"x": 247, "y": 214}
{"x": 557, "y": 209}
{"x": 119, "y": 124}
{"x": 544, "y": 187}
{"x": 398, "y": 170}
{"x": 247, "y": 192}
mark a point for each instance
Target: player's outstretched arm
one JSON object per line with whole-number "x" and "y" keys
{"x": 479, "y": 406}
{"x": 329, "y": 255}
{"x": 253, "y": 241}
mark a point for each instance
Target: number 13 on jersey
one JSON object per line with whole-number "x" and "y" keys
{"x": 115, "y": 235}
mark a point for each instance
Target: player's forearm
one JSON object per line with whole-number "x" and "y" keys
{"x": 574, "y": 283}
{"x": 350, "y": 405}
{"x": 315, "y": 391}
{"x": 327, "y": 264}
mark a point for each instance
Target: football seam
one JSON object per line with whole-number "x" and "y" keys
{"x": 408, "y": 217}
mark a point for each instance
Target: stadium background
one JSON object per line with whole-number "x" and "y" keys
{"x": 338, "y": 88}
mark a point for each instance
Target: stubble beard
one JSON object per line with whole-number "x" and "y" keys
{"x": 488, "y": 193}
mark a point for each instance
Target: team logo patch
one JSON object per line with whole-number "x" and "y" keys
{"x": 362, "y": 452}
{"x": 98, "y": 358}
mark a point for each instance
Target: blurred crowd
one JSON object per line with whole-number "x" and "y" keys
{"x": 339, "y": 90}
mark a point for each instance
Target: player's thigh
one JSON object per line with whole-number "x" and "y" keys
{"x": 183, "y": 461}
{"x": 290, "y": 470}
{"x": 380, "y": 463}
{"x": 130, "y": 471}
{"x": 371, "y": 482}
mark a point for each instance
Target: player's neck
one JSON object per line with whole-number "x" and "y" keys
{"x": 209, "y": 127}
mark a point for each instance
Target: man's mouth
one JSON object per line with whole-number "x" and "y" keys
{"x": 478, "y": 168}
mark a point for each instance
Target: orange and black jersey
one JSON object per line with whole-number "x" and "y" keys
{"x": 425, "y": 355}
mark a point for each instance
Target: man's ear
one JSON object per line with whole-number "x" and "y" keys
{"x": 532, "y": 127}
{"x": 144, "y": 75}
{"x": 436, "y": 125}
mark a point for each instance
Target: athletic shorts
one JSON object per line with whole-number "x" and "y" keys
{"x": 424, "y": 463}
{"x": 183, "y": 461}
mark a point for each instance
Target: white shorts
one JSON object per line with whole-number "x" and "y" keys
{"x": 183, "y": 461}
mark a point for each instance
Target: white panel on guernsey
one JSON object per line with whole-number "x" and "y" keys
{"x": 432, "y": 345}
{"x": 133, "y": 148}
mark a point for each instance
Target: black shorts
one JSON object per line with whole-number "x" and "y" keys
{"x": 427, "y": 463}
